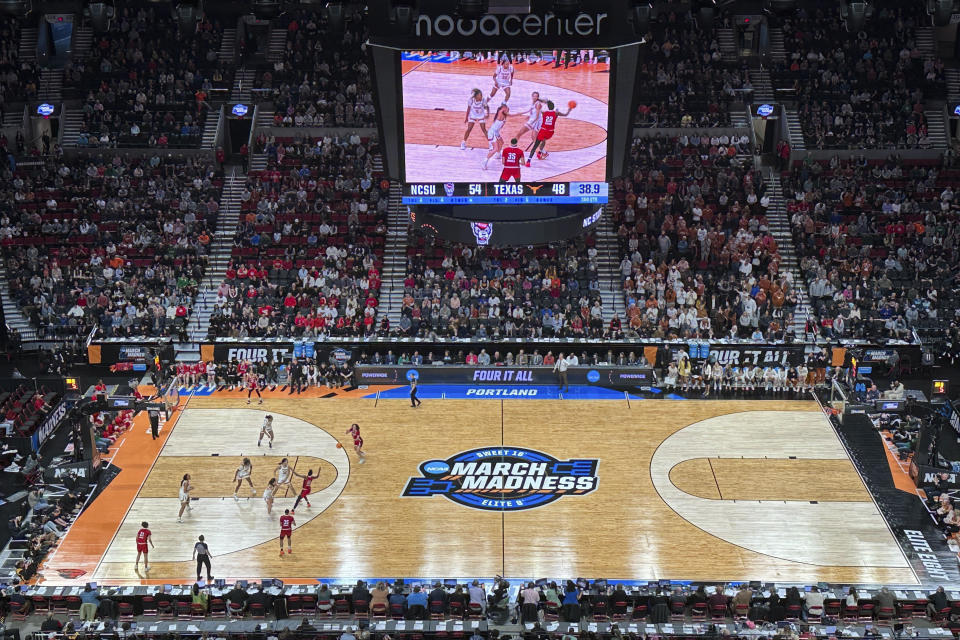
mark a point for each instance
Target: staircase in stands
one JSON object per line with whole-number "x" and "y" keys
{"x": 777, "y": 51}
{"x": 277, "y": 44}
{"x": 228, "y": 47}
{"x": 394, "y": 256}
{"x": 727, "y": 39}
{"x": 220, "y": 248}
{"x": 762, "y": 85}
{"x": 794, "y": 128}
{"x": 264, "y": 118}
{"x": 608, "y": 267}
{"x": 242, "y": 84}
{"x": 779, "y": 223}
{"x": 15, "y": 319}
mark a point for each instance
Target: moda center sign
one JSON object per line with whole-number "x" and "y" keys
{"x": 532, "y": 25}
{"x": 600, "y": 24}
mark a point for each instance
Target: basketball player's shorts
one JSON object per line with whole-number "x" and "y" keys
{"x": 543, "y": 134}
{"x": 503, "y": 84}
{"x": 511, "y": 172}
{"x": 358, "y": 442}
{"x": 480, "y": 118}
{"x": 142, "y": 547}
{"x": 285, "y": 534}
{"x": 305, "y": 493}
{"x": 534, "y": 125}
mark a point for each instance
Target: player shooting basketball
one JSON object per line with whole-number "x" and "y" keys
{"x": 548, "y": 123}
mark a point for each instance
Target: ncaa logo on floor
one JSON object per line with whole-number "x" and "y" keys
{"x": 503, "y": 478}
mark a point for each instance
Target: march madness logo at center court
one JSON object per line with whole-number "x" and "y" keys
{"x": 503, "y": 478}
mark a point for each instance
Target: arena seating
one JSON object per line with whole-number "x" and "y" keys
{"x": 18, "y": 78}
{"x": 307, "y": 254}
{"x": 865, "y": 92}
{"x": 119, "y": 244}
{"x": 698, "y": 256}
{"x": 877, "y": 245}
{"x": 23, "y": 410}
{"x": 139, "y": 91}
{"x": 686, "y": 82}
{"x": 462, "y": 291}
{"x": 323, "y": 79}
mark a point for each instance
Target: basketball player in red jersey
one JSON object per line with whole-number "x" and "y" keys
{"x": 354, "y": 431}
{"x": 287, "y": 523}
{"x": 253, "y": 386}
{"x": 548, "y": 124}
{"x": 305, "y": 491}
{"x": 201, "y": 373}
{"x": 143, "y": 537}
{"x": 512, "y": 157}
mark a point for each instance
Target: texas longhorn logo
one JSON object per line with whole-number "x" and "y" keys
{"x": 535, "y": 188}
{"x": 503, "y": 478}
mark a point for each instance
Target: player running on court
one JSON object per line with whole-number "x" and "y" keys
{"x": 144, "y": 536}
{"x": 244, "y": 471}
{"x": 305, "y": 491}
{"x": 495, "y": 140}
{"x": 477, "y": 112}
{"x": 266, "y": 429}
{"x": 287, "y": 523}
{"x": 512, "y": 157}
{"x": 185, "y": 489}
{"x": 548, "y": 124}
{"x": 503, "y": 78}
{"x": 354, "y": 432}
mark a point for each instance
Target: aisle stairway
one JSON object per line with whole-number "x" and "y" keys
{"x": 242, "y": 84}
{"x": 794, "y": 128}
{"x": 71, "y": 121}
{"x": 608, "y": 267}
{"x": 27, "y": 51}
{"x": 762, "y": 85}
{"x": 277, "y": 45}
{"x": 12, "y": 313}
{"x": 936, "y": 123}
{"x": 220, "y": 247}
{"x": 778, "y": 52}
{"x": 51, "y": 85}
{"x": 82, "y": 41}
{"x": 779, "y": 224}
{"x": 228, "y": 47}
{"x": 394, "y": 257}
{"x": 953, "y": 85}
{"x": 210, "y": 126}
{"x": 727, "y": 39}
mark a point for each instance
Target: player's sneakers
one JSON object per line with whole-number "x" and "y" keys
{"x": 527, "y": 163}
{"x": 260, "y": 401}
{"x": 463, "y": 145}
{"x": 180, "y": 520}
{"x": 484, "y": 164}
{"x": 544, "y": 155}
{"x": 292, "y": 512}
{"x": 308, "y": 503}
{"x": 258, "y": 443}
{"x": 281, "y": 552}
{"x": 539, "y": 155}
{"x": 289, "y": 552}
{"x": 271, "y": 444}
{"x": 146, "y": 567}
{"x": 248, "y": 401}
{"x": 236, "y": 498}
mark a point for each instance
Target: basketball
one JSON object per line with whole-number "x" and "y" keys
{"x": 339, "y": 446}
{"x": 572, "y": 104}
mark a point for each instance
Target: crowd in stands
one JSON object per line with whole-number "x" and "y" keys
{"x": 698, "y": 256}
{"x": 44, "y": 518}
{"x": 23, "y": 409}
{"x": 864, "y": 90}
{"x": 685, "y": 80}
{"x": 879, "y": 245}
{"x": 454, "y": 290}
{"x": 139, "y": 91}
{"x": 323, "y": 79}
{"x": 307, "y": 254}
{"x": 117, "y": 243}
{"x": 18, "y": 78}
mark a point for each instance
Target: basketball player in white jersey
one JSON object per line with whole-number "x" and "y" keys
{"x": 503, "y": 79}
{"x": 244, "y": 471}
{"x": 477, "y": 112}
{"x": 185, "y": 489}
{"x": 493, "y": 136}
{"x": 284, "y": 474}
{"x": 533, "y": 116}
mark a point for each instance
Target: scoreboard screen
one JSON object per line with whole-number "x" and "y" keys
{"x": 467, "y": 115}
{"x": 458, "y": 193}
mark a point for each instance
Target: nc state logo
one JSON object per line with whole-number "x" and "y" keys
{"x": 482, "y": 231}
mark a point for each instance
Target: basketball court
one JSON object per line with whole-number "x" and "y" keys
{"x": 687, "y": 490}
{"x": 435, "y": 95}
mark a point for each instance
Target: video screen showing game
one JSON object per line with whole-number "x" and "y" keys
{"x": 496, "y": 116}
